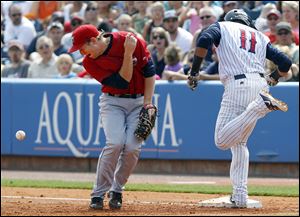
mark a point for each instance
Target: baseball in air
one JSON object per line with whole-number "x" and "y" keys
{"x": 20, "y": 135}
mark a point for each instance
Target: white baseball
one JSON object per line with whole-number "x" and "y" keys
{"x": 20, "y": 135}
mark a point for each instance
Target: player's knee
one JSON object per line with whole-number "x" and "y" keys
{"x": 220, "y": 144}
{"x": 132, "y": 149}
{"x": 114, "y": 147}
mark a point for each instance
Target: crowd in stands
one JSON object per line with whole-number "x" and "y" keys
{"x": 36, "y": 36}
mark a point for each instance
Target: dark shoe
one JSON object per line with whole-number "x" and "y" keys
{"x": 272, "y": 103}
{"x": 115, "y": 200}
{"x": 232, "y": 201}
{"x": 236, "y": 205}
{"x": 96, "y": 203}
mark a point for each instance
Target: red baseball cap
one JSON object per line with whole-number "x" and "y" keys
{"x": 81, "y": 35}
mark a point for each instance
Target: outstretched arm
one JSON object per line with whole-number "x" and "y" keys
{"x": 209, "y": 37}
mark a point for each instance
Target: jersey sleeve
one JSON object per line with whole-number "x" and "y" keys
{"x": 144, "y": 58}
{"x": 116, "y": 81}
{"x": 279, "y": 58}
{"x": 210, "y": 36}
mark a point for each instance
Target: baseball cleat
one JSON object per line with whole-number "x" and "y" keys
{"x": 96, "y": 203}
{"x": 236, "y": 205}
{"x": 272, "y": 103}
{"x": 115, "y": 200}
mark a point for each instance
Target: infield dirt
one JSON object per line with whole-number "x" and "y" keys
{"x": 53, "y": 202}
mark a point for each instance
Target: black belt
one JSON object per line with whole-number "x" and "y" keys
{"x": 241, "y": 76}
{"x": 133, "y": 96}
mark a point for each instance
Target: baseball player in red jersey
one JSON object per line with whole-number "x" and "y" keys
{"x": 122, "y": 64}
{"x": 242, "y": 52}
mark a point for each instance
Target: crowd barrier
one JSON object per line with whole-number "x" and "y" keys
{"x": 61, "y": 118}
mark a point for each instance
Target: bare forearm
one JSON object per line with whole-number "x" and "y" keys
{"x": 170, "y": 75}
{"x": 203, "y": 76}
{"x": 127, "y": 67}
{"x": 149, "y": 90}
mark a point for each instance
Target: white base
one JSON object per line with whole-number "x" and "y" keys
{"x": 225, "y": 202}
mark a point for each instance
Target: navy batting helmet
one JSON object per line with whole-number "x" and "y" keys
{"x": 239, "y": 16}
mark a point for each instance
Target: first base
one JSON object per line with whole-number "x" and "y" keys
{"x": 225, "y": 202}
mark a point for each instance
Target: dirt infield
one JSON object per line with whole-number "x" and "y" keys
{"x": 69, "y": 202}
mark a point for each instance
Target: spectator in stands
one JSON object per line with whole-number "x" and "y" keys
{"x": 139, "y": 19}
{"x": 160, "y": 40}
{"x": 290, "y": 12}
{"x": 273, "y": 18}
{"x": 91, "y": 15}
{"x": 157, "y": 16}
{"x": 181, "y": 37}
{"x": 182, "y": 73}
{"x": 56, "y": 17}
{"x": 74, "y": 8}
{"x": 173, "y": 58}
{"x": 177, "y": 6}
{"x": 207, "y": 17}
{"x": 64, "y": 66}
{"x": 189, "y": 19}
{"x": 104, "y": 10}
{"x": 41, "y": 10}
{"x": 124, "y": 22}
{"x": 20, "y": 28}
{"x": 130, "y": 8}
{"x": 228, "y": 6}
{"x": 261, "y": 22}
{"x": 18, "y": 66}
{"x": 284, "y": 35}
{"x": 286, "y": 44}
{"x": 5, "y": 5}
{"x": 108, "y": 14}
{"x": 44, "y": 67}
{"x": 67, "y": 38}
{"x": 55, "y": 32}
{"x": 217, "y": 7}
{"x": 252, "y": 8}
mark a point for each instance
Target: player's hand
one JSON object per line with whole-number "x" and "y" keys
{"x": 192, "y": 81}
{"x": 130, "y": 44}
{"x": 272, "y": 78}
{"x": 271, "y": 81}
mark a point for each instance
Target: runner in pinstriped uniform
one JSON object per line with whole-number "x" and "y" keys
{"x": 242, "y": 52}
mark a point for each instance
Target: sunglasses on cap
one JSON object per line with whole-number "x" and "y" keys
{"x": 16, "y": 15}
{"x": 205, "y": 17}
{"x": 91, "y": 9}
{"x": 44, "y": 46}
{"x": 158, "y": 36}
{"x": 171, "y": 20}
{"x": 75, "y": 22}
{"x": 283, "y": 32}
{"x": 272, "y": 18}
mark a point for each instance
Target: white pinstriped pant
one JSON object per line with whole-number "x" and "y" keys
{"x": 241, "y": 107}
